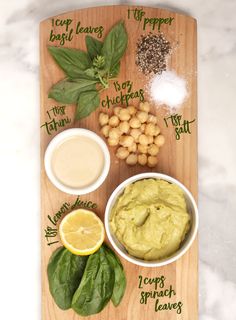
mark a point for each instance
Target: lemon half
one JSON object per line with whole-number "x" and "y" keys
{"x": 82, "y": 232}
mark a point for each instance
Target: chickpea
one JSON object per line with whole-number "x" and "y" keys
{"x": 117, "y": 110}
{"x": 122, "y": 153}
{"x": 103, "y": 119}
{"x": 157, "y": 131}
{"x": 159, "y": 140}
{"x": 105, "y": 130}
{"x": 150, "y": 129}
{"x": 132, "y": 159}
{"x": 113, "y": 142}
{"x": 144, "y": 106}
{"x": 135, "y": 133}
{"x": 143, "y": 139}
{"x": 142, "y": 116}
{"x": 114, "y": 121}
{"x": 124, "y": 115}
{"x": 114, "y": 133}
{"x": 152, "y": 119}
{"x": 133, "y": 148}
{"x": 143, "y": 126}
{"x": 142, "y": 159}
{"x": 153, "y": 150}
{"x": 135, "y": 123}
{"x": 152, "y": 161}
{"x": 132, "y": 110}
{"x": 142, "y": 148}
{"x": 150, "y": 139}
{"x": 124, "y": 127}
{"x": 126, "y": 141}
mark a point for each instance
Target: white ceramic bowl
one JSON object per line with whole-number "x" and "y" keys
{"x": 60, "y": 138}
{"x": 191, "y": 207}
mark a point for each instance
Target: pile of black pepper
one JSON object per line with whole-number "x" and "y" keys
{"x": 152, "y": 52}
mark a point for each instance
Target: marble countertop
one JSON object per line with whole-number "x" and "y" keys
{"x": 19, "y": 113}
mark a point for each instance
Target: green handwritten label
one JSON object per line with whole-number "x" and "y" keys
{"x": 51, "y": 230}
{"x": 71, "y": 29}
{"x": 153, "y": 23}
{"x": 54, "y": 124}
{"x": 180, "y": 125}
{"x": 158, "y": 290}
{"x": 123, "y": 98}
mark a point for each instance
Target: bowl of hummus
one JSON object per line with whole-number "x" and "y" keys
{"x": 151, "y": 219}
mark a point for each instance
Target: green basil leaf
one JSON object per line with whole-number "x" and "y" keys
{"x": 120, "y": 279}
{"x": 72, "y": 61}
{"x": 91, "y": 72}
{"x": 68, "y": 91}
{"x": 65, "y": 271}
{"x": 114, "y": 45}
{"x": 94, "y": 47}
{"x": 96, "y": 287}
{"x": 115, "y": 70}
{"x": 88, "y": 102}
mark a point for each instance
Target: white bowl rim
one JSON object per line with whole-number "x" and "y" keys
{"x": 159, "y": 176}
{"x": 71, "y": 133}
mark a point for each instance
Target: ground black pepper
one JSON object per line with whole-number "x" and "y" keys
{"x": 151, "y": 54}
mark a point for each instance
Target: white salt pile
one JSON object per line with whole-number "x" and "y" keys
{"x": 169, "y": 89}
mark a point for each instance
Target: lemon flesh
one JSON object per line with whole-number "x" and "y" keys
{"x": 82, "y": 232}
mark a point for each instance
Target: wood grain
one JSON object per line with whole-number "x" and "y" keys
{"x": 177, "y": 158}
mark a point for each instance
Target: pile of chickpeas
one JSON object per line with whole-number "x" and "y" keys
{"x": 136, "y": 133}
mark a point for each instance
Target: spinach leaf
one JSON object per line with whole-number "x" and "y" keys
{"x": 72, "y": 61}
{"x": 94, "y": 47}
{"x": 65, "y": 271}
{"x": 52, "y": 265}
{"x": 114, "y": 45}
{"x": 96, "y": 286}
{"x": 120, "y": 279}
{"x": 68, "y": 91}
{"x": 88, "y": 102}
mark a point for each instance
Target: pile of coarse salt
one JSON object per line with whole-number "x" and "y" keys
{"x": 169, "y": 89}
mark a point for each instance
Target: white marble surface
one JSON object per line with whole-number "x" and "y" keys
{"x": 19, "y": 132}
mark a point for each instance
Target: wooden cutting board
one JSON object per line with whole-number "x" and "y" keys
{"x": 177, "y": 158}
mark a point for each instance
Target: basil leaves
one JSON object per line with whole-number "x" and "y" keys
{"x": 86, "y": 284}
{"x": 72, "y": 61}
{"x": 68, "y": 91}
{"x": 88, "y": 73}
{"x": 94, "y": 47}
{"x": 114, "y": 46}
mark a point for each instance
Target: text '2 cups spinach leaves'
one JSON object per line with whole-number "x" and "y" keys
{"x": 89, "y": 72}
{"x": 86, "y": 284}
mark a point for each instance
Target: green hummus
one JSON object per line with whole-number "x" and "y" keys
{"x": 150, "y": 219}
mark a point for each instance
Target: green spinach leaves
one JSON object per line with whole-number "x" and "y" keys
{"x": 86, "y": 284}
{"x": 96, "y": 287}
{"x": 89, "y": 72}
{"x": 120, "y": 279}
{"x": 65, "y": 271}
